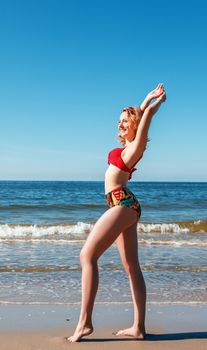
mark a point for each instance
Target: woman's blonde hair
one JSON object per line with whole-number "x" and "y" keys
{"x": 135, "y": 115}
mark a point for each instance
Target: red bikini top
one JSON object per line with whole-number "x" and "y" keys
{"x": 114, "y": 157}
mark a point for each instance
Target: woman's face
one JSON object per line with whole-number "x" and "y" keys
{"x": 126, "y": 127}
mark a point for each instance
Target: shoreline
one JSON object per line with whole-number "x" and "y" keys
{"x": 38, "y": 327}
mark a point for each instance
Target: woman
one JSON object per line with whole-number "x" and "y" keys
{"x": 119, "y": 222}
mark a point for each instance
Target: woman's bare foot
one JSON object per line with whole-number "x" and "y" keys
{"x": 131, "y": 332}
{"x": 79, "y": 333}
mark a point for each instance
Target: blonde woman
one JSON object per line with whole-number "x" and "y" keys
{"x": 119, "y": 222}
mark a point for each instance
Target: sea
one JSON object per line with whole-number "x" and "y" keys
{"x": 44, "y": 224}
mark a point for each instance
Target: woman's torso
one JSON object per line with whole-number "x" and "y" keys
{"x": 118, "y": 172}
{"x": 114, "y": 178}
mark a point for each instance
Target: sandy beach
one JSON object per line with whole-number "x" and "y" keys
{"x": 28, "y": 327}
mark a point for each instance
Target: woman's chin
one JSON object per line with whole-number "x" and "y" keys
{"x": 123, "y": 134}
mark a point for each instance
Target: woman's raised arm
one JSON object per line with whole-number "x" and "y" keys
{"x": 138, "y": 145}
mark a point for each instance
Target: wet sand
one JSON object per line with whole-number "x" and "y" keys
{"x": 29, "y": 327}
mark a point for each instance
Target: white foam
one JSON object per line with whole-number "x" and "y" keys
{"x": 80, "y": 230}
{"x": 33, "y": 231}
{"x": 161, "y": 228}
{"x": 178, "y": 243}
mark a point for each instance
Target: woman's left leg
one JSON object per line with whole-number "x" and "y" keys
{"x": 128, "y": 250}
{"x": 104, "y": 233}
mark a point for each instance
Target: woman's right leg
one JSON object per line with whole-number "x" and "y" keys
{"x": 104, "y": 233}
{"x": 128, "y": 250}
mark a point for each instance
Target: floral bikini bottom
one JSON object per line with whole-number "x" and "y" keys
{"x": 124, "y": 197}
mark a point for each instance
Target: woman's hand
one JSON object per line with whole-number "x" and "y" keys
{"x": 157, "y": 92}
{"x": 162, "y": 97}
{"x": 154, "y": 106}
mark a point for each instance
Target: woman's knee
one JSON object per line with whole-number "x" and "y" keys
{"x": 86, "y": 256}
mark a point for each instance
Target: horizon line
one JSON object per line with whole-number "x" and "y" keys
{"x": 55, "y": 180}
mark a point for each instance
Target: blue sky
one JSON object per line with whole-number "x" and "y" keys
{"x": 69, "y": 67}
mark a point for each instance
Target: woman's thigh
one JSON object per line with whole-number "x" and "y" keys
{"x": 128, "y": 246}
{"x": 107, "y": 229}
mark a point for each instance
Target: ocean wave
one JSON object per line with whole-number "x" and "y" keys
{"x": 162, "y": 228}
{"x": 178, "y": 243}
{"x": 104, "y": 267}
{"x": 77, "y": 231}
{"x": 197, "y": 226}
{"x": 103, "y": 303}
{"x": 80, "y": 230}
{"x": 46, "y": 207}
